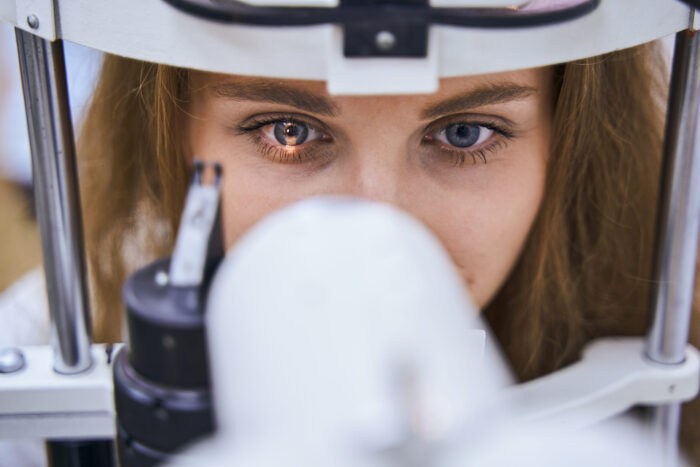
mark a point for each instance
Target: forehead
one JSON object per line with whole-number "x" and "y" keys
{"x": 538, "y": 79}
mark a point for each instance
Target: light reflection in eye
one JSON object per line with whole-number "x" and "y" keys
{"x": 290, "y": 133}
{"x": 289, "y": 139}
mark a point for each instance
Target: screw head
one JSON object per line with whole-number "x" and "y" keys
{"x": 11, "y": 360}
{"x": 162, "y": 278}
{"x": 162, "y": 414}
{"x": 385, "y": 41}
{"x": 33, "y": 21}
{"x": 168, "y": 342}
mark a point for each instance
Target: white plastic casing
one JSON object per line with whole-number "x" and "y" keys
{"x": 342, "y": 326}
{"x": 340, "y": 333}
{"x": 155, "y": 31}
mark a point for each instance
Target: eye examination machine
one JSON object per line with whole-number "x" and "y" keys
{"x": 368, "y": 350}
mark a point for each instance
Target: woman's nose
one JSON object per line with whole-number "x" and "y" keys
{"x": 375, "y": 177}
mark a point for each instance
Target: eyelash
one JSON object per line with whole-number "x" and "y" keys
{"x": 282, "y": 154}
{"x": 498, "y": 140}
{"x": 458, "y": 158}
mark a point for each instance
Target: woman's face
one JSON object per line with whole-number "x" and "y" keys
{"x": 468, "y": 161}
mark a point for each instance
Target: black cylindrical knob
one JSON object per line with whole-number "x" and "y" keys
{"x": 161, "y": 377}
{"x": 166, "y": 329}
{"x": 158, "y": 417}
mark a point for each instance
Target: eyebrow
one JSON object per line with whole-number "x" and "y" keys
{"x": 479, "y": 97}
{"x": 275, "y": 92}
{"x": 262, "y": 90}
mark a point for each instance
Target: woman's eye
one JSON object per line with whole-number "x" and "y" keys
{"x": 289, "y": 133}
{"x": 464, "y": 135}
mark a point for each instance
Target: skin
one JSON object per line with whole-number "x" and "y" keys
{"x": 480, "y": 200}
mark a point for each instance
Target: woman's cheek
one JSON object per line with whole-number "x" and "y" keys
{"x": 485, "y": 231}
{"x": 244, "y": 202}
{"x": 252, "y": 190}
{"x": 509, "y": 222}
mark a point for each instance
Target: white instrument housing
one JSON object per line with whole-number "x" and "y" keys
{"x": 316, "y": 53}
{"x": 339, "y": 329}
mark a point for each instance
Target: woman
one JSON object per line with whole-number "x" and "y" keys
{"x": 541, "y": 183}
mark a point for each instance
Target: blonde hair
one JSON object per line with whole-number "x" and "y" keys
{"x": 584, "y": 271}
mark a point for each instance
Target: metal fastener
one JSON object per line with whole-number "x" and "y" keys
{"x": 33, "y": 21}
{"x": 109, "y": 350}
{"x": 11, "y": 360}
{"x": 385, "y": 41}
{"x": 168, "y": 342}
{"x": 162, "y": 278}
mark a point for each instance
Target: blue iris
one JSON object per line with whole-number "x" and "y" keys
{"x": 462, "y": 135}
{"x": 290, "y": 133}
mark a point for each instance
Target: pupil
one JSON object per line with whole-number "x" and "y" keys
{"x": 462, "y": 135}
{"x": 291, "y": 134}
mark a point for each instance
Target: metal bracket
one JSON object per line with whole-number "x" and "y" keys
{"x": 370, "y": 76}
{"x": 37, "y": 402}
{"x": 612, "y": 376}
{"x": 37, "y": 17}
{"x": 197, "y": 225}
{"x": 694, "y": 22}
{"x": 386, "y": 38}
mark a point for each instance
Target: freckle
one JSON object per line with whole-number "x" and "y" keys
{"x": 470, "y": 281}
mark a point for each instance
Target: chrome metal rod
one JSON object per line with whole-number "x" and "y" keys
{"x": 677, "y": 232}
{"x": 679, "y": 210}
{"x": 58, "y": 202}
{"x": 665, "y": 426}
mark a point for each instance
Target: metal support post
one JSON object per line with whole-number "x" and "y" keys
{"x": 677, "y": 232}
{"x": 57, "y": 197}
